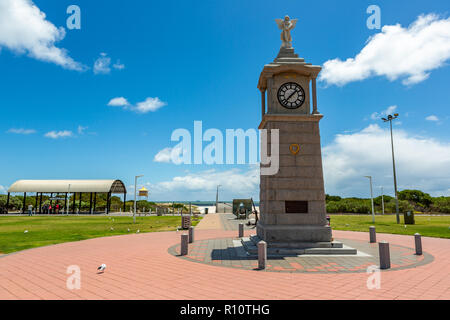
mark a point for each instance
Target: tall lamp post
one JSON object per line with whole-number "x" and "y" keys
{"x": 389, "y": 119}
{"x": 217, "y": 198}
{"x": 371, "y": 198}
{"x": 382, "y": 200}
{"x": 135, "y": 185}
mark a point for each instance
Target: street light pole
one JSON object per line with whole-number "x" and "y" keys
{"x": 135, "y": 184}
{"x": 390, "y": 118}
{"x": 371, "y": 198}
{"x": 382, "y": 200}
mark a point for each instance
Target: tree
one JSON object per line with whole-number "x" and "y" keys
{"x": 441, "y": 204}
{"x": 332, "y": 198}
{"x": 377, "y": 201}
{"x": 417, "y": 197}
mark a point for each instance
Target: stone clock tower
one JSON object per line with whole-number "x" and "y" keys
{"x": 292, "y": 201}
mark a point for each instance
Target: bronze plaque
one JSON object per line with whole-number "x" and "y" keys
{"x": 296, "y": 206}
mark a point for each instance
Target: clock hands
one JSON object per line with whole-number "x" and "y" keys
{"x": 291, "y": 95}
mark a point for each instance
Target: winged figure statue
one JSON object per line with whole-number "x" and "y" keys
{"x": 286, "y": 25}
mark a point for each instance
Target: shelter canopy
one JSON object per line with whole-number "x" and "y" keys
{"x": 63, "y": 186}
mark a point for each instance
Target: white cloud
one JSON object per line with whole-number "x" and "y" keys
{"x": 81, "y": 129}
{"x": 59, "y": 134}
{"x": 421, "y": 163}
{"x": 101, "y": 65}
{"x": 118, "y": 65}
{"x": 25, "y": 30}
{"x": 406, "y": 53}
{"x": 118, "y": 102}
{"x": 3, "y": 189}
{"x": 168, "y": 154}
{"x": 149, "y": 105}
{"x": 21, "y": 131}
{"x": 432, "y": 118}
{"x": 388, "y": 111}
{"x": 202, "y": 185}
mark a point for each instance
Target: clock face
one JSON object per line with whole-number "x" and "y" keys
{"x": 291, "y": 95}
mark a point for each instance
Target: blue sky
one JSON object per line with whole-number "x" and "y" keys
{"x": 202, "y": 60}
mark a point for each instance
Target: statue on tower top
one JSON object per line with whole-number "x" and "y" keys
{"x": 286, "y": 25}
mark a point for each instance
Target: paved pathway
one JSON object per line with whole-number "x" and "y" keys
{"x": 210, "y": 221}
{"x": 140, "y": 267}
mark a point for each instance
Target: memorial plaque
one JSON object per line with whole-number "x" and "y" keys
{"x": 296, "y": 206}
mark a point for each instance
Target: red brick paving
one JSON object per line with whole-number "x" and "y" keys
{"x": 139, "y": 267}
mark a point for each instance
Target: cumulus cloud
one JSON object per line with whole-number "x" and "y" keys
{"x": 21, "y": 131}
{"x": 149, "y": 105}
{"x": 101, "y": 65}
{"x": 409, "y": 54}
{"x": 167, "y": 155}
{"x": 421, "y": 163}
{"x": 432, "y": 118}
{"x": 118, "y": 102}
{"x": 25, "y": 30}
{"x": 235, "y": 183}
{"x": 59, "y": 134}
{"x": 388, "y": 111}
{"x": 3, "y": 189}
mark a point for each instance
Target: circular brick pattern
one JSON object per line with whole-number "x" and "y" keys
{"x": 222, "y": 252}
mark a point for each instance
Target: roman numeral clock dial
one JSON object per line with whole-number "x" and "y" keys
{"x": 291, "y": 95}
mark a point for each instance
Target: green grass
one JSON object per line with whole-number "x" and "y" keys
{"x": 427, "y": 226}
{"x": 46, "y": 230}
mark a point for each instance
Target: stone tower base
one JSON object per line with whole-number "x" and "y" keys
{"x": 296, "y": 240}
{"x": 293, "y": 235}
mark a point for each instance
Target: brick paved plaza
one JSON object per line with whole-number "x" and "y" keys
{"x": 145, "y": 266}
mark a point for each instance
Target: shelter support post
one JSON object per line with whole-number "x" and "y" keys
{"x": 24, "y": 200}
{"x": 108, "y": 202}
{"x": 65, "y": 202}
{"x": 95, "y": 200}
{"x": 124, "y": 201}
{"x": 40, "y": 203}
{"x": 73, "y": 205}
{"x": 7, "y": 202}
{"x": 90, "y": 204}
{"x": 79, "y": 205}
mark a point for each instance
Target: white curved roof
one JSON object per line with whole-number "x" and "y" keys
{"x": 62, "y": 186}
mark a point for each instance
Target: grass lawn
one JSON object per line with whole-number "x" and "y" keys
{"x": 427, "y": 226}
{"x": 46, "y": 230}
